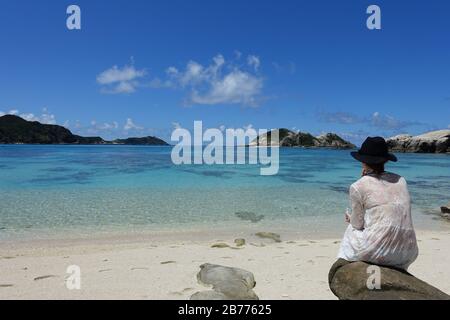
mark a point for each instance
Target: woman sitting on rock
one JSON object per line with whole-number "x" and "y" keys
{"x": 380, "y": 227}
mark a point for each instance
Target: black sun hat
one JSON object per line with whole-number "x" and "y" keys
{"x": 374, "y": 151}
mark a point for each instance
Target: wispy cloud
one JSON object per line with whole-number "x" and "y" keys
{"x": 339, "y": 117}
{"x": 253, "y": 61}
{"x": 108, "y": 130}
{"x": 116, "y": 80}
{"x": 289, "y": 67}
{"x": 388, "y": 122}
{"x": 376, "y": 120}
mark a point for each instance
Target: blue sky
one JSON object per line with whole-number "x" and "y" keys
{"x": 142, "y": 67}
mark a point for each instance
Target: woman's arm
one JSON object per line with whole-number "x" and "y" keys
{"x": 357, "y": 217}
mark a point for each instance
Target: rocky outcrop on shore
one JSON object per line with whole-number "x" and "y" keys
{"x": 227, "y": 283}
{"x": 431, "y": 142}
{"x": 356, "y": 281}
{"x": 445, "y": 211}
{"x": 288, "y": 138}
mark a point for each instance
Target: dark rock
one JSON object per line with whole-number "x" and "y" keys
{"x": 348, "y": 281}
{"x": 220, "y": 245}
{"x": 227, "y": 283}
{"x": 44, "y": 277}
{"x": 445, "y": 209}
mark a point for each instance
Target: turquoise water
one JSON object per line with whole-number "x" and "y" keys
{"x": 87, "y": 189}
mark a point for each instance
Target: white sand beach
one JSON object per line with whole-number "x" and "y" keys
{"x": 166, "y": 269}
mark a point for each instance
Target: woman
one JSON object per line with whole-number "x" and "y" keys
{"x": 380, "y": 227}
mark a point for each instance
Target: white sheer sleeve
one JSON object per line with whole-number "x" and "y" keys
{"x": 357, "y": 217}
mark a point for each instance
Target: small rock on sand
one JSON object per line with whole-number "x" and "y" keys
{"x": 258, "y": 244}
{"x": 44, "y": 277}
{"x": 220, "y": 245}
{"x": 239, "y": 242}
{"x": 269, "y": 235}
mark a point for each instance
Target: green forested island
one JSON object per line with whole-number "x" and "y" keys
{"x": 15, "y": 130}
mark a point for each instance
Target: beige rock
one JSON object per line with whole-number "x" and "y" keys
{"x": 227, "y": 283}
{"x": 348, "y": 281}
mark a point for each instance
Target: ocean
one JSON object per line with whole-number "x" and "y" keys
{"x": 79, "y": 191}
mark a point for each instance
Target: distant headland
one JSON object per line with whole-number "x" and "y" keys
{"x": 15, "y": 130}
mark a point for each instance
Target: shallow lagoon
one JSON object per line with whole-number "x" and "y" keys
{"x": 49, "y": 190}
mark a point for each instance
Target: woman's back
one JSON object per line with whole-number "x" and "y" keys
{"x": 386, "y": 200}
{"x": 381, "y": 229}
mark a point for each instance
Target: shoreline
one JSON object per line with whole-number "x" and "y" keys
{"x": 152, "y": 268}
{"x": 193, "y": 233}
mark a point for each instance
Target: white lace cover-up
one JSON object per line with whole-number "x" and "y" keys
{"x": 381, "y": 229}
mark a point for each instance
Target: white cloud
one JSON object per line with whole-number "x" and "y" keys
{"x": 130, "y": 125}
{"x": 236, "y": 87}
{"x": 218, "y": 83}
{"x": 176, "y": 125}
{"x": 28, "y": 117}
{"x": 47, "y": 118}
{"x": 115, "y": 74}
{"x": 44, "y": 118}
{"x": 172, "y": 70}
{"x": 117, "y": 80}
{"x": 253, "y": 61}
{"x": 109, "y": 126}
{"x": 193, "y": 75}
{"x": 108, "y": 130}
